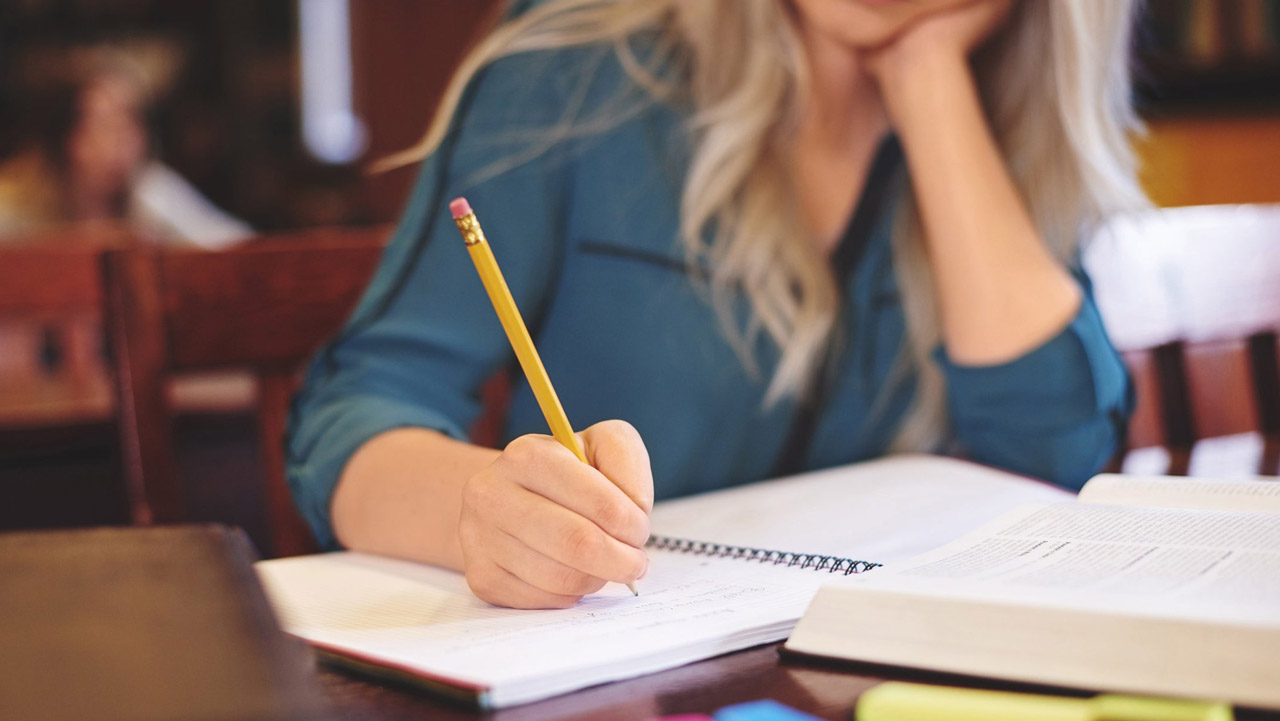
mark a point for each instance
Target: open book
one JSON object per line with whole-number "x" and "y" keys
{"x": 728, "y": 570}
{"x": 1159, "y": 586}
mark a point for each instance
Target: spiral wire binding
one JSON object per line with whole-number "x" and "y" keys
{"x": 814, "y": 561}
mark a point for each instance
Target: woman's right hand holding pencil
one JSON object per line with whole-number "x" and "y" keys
{"x": 540, "y": 529}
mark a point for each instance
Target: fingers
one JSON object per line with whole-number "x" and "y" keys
{"x": 567, "y": 537}
{"x": 494, "y": 584}
{"x": 543, "y": 572}
{"x": 616, "y": 450}
{"x": 540, "y": 529}
{"x": 551, "y": 471}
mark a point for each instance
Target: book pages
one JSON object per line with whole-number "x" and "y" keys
{"x": 1170, "y": 492}
{"x": 1179, "y": 563}
{"x": 1127, "y": 599}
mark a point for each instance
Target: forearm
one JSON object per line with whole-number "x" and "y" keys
{"x": 1064, "y": 431}
{"x": 1000, "y": 291}
{"x": 401, "y": 495}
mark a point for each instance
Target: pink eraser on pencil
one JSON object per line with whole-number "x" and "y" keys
{"x": 460, "y": 207}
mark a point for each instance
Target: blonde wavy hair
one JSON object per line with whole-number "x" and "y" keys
{"x": 1054, "y": 82}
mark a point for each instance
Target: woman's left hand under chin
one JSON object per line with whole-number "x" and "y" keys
{"x": 948, "y": 36}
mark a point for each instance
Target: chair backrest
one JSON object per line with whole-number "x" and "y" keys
{"x": 54, "y": 272}
{"x": 45, "y": 282}
{"x": 51, "y": 302}
{"x": 1191, "y": 297}
{"x": 266, "y": 306}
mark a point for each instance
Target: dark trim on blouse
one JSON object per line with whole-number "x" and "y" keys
{"x": 853, "y": 245}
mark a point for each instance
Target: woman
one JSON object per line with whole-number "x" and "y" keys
{"x": 772, "y": 235}
{"x": 90, "y": 162}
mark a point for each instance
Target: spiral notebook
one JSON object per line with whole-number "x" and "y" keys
{"x": 728, "y": 570}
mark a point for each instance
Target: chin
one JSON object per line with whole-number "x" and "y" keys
{"x": 864, "y": 24}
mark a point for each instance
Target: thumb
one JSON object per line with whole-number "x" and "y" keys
{"x": 616, "y": 450}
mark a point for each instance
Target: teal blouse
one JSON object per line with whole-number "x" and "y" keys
{"x": 584, "y": 226}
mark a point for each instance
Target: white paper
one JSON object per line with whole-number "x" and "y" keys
{"x": 1182, "y": 563}
{"x": 1168, "y": 492}
{"x": 411, "y": 615}
{"x": 690, "y": 607}
{"x": 884, "y": 510}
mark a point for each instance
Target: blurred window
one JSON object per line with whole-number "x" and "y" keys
{"x": 330, "y": 128}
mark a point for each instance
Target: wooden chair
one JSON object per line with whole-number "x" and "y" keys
{"x": 49, "y": 281}
{"x": 266, "y": 306}
{"x": 55, "y": 289}
{"x": 1191, "y": 297}
{"x": 57, "y": 429}
{"x": 51, "y": 300}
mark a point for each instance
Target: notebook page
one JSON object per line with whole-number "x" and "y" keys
{"x": 1213, "y": 565}
{"x": 424, "y": 618}
{"x": 1169, "y": 492}
{"x": 882, "y": 511}
{"x": 691, "y": 606}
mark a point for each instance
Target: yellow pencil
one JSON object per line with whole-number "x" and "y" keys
{"x": 496, "y": 286}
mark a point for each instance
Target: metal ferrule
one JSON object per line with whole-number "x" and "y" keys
{"x": 470, "y": 229}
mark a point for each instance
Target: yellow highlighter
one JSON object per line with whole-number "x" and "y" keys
{"x": 898, "y": 701}
{"x": 500, "y": 295}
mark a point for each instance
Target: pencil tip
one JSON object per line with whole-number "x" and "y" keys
{"x": 634, "y": 591}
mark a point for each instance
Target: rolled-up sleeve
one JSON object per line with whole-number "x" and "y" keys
{"x": 1058, "y": 412}
{"x": 424, "y": 338}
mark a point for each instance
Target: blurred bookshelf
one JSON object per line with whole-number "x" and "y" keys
{"x": 1208, "y": 55}
{"x": 1208, "y": 84}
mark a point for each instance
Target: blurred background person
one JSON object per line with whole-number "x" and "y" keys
{"x": 88, "y": 158}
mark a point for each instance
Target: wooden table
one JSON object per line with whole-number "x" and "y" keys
{"x": 698, "y": 688}
{"x": 824, "y": 689}
{"x": 59, "y": 463}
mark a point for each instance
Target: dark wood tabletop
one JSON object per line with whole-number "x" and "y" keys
{"x": 818, "y": 689}
{"x": 202, "y": 575}
{"x": 824, "y": 689}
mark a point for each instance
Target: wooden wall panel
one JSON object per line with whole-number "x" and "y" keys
{"x": 404, "y": 52}
{"x": 1203, "y": 160}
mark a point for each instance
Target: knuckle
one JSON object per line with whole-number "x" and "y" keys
{"x": 529, "y": 457}
{"x": 620, "y": 431}
{"x": 473, "y": 492}
{"x": 521, "y": 450}
{"x": 621, "y": 518}
{"x": 481, "y": 492}
{"x": 612, "y": 514}
{"x": 582, "y": 541}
